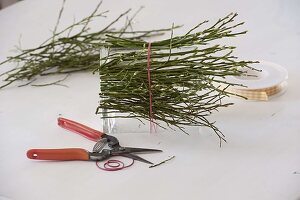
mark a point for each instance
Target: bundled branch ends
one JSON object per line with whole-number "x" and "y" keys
{"x": 187, "y": 76}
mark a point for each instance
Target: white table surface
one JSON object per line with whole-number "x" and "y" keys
{"x": 258, "y": 162}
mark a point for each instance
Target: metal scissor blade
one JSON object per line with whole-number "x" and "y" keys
{"x": 136, "y": 150}
{"x": 138, "y": 158}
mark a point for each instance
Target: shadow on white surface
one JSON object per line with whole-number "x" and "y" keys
{"x": 4, "y": 198}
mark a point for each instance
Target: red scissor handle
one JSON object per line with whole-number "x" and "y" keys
{"x": 58, "y": 154}
{"x": 80, "y": 129}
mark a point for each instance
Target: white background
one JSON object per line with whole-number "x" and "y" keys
{"x": 258, "y": 162}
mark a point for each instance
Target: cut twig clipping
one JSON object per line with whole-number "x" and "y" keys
{"x": 155, "y": 165}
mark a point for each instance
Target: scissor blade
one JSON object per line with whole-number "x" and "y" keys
{"x": 137, "y": 150}
{"x": 138, "y": 158}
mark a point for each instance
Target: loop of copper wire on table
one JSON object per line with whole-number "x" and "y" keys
{"x": 113, "y": 165}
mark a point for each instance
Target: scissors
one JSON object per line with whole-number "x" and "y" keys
{"x": 99, "y": 153}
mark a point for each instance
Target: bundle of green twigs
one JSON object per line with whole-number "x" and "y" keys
{"x": 186, "y": 76}
{"x": 181, "y": 79}
{"x": 73, "y": 49}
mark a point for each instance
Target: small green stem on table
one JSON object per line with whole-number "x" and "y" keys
{"x": 160, "y": 163}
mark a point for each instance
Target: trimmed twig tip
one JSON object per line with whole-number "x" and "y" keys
{"x": 155, "y": 165}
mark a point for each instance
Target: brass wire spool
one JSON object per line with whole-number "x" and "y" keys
{"x": 260, "y": 86}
